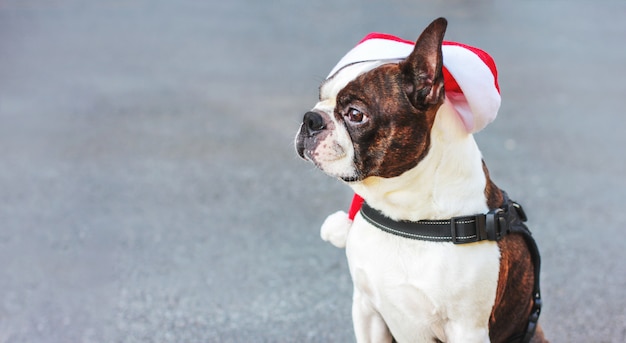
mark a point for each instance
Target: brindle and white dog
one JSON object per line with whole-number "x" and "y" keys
{"x": 388, "y": 130}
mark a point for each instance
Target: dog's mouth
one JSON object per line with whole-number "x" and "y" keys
{"x": 349, "y": 179}
{"x": 325, "y": 165}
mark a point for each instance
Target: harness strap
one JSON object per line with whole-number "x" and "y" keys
{"x": 516, "y": 224}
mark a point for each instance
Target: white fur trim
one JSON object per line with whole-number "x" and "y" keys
{"x": 374, "y": 50}
{"x": 478, "y": 85}
{"x": 335, "y": 229}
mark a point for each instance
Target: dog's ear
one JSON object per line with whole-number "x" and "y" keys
{"x": 421, "y": 71}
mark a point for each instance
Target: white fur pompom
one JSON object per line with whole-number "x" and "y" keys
{"x": 335, "y": 229}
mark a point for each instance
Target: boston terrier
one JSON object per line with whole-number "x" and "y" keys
{"x": 436, "y": 251}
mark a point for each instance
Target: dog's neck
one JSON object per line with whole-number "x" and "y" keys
{"x": 448, "y": 182}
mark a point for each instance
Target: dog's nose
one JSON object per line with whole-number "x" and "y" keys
{"x": 313, "y": 122}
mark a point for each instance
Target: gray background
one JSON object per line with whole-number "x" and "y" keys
{"x": 150, "y": 192}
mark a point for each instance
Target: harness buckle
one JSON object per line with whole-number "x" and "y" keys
{"x": 481, "y": 228}
{"x": 494, "y": 224}
{"x": 458, "y": 238}
{"x": 453, "y": 230}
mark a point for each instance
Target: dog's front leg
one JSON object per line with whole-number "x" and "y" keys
{"x": 369, "y": 326}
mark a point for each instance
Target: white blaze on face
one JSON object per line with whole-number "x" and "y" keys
{"x": 334, "y": 154}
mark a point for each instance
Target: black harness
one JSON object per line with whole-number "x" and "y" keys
{"x": 508, "y": 218}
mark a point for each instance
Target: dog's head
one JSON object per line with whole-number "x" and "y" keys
{"x": 374, "y": 118}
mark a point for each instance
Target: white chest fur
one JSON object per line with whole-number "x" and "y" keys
{"x": 420, "y": 290}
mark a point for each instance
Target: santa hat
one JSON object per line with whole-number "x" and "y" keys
{"x": 470, "y": 79}
{"x": 470, "y": 74}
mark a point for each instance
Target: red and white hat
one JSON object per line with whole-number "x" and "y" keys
{"x": 470, "y": 74}
{"x": 470, "y": 79}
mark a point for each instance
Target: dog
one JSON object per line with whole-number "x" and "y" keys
{"x": 389, "y": 128}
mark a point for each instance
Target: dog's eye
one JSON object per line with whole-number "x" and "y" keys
{"x": 354, "y": 115}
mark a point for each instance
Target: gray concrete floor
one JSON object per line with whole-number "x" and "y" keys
{"x": 149, "y": 190}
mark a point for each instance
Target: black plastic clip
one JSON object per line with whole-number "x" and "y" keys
{"x": 453, "y": 230}
{"x": 520, "y": 211}
{"x": 494, "y": 224}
